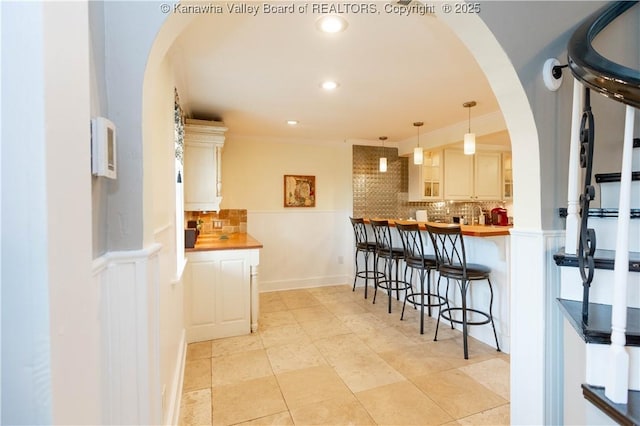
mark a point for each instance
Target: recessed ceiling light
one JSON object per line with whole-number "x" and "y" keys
{"x": 329, "y": 85}
{"x": 331, "y": 24}
{"x": 292, "y": 122}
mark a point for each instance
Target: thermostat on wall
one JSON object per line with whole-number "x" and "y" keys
{"x": 103, "y": 148}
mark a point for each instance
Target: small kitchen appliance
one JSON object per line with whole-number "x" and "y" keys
{"x": 499, "y": 217}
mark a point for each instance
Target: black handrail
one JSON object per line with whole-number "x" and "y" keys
{"x": 597, "y": 72}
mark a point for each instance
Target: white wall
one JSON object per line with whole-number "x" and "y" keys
{"x": 159, "y": 114}
{"x": 302, "y": 246}
{"x": 51, "y": 330}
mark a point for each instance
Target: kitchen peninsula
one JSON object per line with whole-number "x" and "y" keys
{"x": 488, "y": 245}
{"x": 221, "y": 286}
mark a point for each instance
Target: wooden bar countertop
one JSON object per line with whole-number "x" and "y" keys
{"x": 470, "y": 230}
{"x": 225, "y": 241}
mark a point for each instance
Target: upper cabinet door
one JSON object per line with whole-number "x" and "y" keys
{"x": 507, "y": 176}
{"x": 425, "y": 181}
{"x": 203, "y": 142}
{"x": 487, "y": 176}
{"x": 458, "y": 175}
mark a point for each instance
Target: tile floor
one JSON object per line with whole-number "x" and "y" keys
{"x": 327, "y": 356}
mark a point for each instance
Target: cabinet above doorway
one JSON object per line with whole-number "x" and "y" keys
{"x": 203, "y": 142}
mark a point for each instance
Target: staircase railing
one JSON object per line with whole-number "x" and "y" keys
{"x": 622, "y": 84}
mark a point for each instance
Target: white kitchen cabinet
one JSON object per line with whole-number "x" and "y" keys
{"x": 425, "y": 181}
{"x": 221, "y": 294}
{"x": 472, "y": 177}
{"x": 458, "y": 175}
{"x": 487, "y": 176}
{"x": 203, "y": 142}
{"x": 507, "y": 176}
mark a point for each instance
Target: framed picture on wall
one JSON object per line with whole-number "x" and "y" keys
{"x": 299, "y": 191}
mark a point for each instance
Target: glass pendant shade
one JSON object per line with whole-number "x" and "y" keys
{"x": 469, "y": 143}
{"x": 418, "y": 155}
{"x": 383, "y": 164}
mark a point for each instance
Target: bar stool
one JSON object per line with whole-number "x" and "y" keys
{"x": 452, "y": 264}
{"x": 416, "y": 259}
{"x": 366, "y": 247}
{"x": 390, "y": 255}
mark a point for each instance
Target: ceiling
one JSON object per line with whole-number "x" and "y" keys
{"x": 256, "y": 72}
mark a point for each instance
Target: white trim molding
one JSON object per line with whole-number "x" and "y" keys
{"x": 536, "y": 328}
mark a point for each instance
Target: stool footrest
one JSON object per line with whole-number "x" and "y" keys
{"x": 441, "y": 301}
{"x": 388, "y": 284}
{"x": 445, "y": 313}
{"x": 370, "y": 275}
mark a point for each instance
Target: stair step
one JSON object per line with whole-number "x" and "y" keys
{"x": 603, "y": 259}
{"x": 601, "y": 286}
{"x": 601, "y": 213}
{"x": 623, "y": 414}
{"x": 599, "y": 328}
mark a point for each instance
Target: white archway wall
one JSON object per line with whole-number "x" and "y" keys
{"x": 515, "y": 109}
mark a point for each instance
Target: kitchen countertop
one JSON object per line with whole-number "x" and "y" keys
{"x": 234, "y": 241}
{"x": 470, "y": 230}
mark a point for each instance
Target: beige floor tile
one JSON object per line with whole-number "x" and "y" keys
{"x": 271, "y": 296}
{"x": 322, "y": 329}
{"x": 453, "y": 350}
{"x": 385, "y": 339}
{"x": 199, "y": 350}
{"x": 496, "y": 416}
{"x": 493, "y": 374}
{"x": 313, "y": 313}
{"x": 296, "y": 299}
{"x": 279, "y": 419}
{"x": 358, "y": 366}
{"x": 335, "y": 297}
{"x": 232, "y": 345}
{"x": 273, "y": 306}
{"x": 362, "y": 371}
{"x": 311, "y": 385}
{"x": 359, "y": 323}
{"x": 294, "y": 356}
{"x": 336, "y": 411}
{"x": 343, "y": 308}
{"x": 341, "y": 346}
{"x": 275, "y": 319}
{"x": 247, "y": 401}
{"x": 458, "y": 394}
{"x": 413, "y": 361}
{"x": 283, "y": 335}
{"x": 240, "y": 367}
{"x": 197, "y": 374}
{"x": 195, "y": 408}
{"x": 402, "y": 404}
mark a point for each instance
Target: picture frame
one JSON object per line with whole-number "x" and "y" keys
{"x": 299, "y": 191}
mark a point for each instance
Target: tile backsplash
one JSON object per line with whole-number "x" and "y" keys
{"x": 226, "y": 220}
{"x": 386, "y": 195}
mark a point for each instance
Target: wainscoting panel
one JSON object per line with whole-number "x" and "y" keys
{"x": 130, "y": 318}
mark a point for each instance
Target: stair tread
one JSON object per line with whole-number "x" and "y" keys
{"x": 624, "y": 414}
{"x": 599, "y": 328}
{"x": 600, "y": 212}
{"x": 614, "y": 177}
{"x": 603, "y": 259}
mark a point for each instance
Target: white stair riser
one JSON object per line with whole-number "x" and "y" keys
{"x": 610, "y": 195}
{"x": 601, "y": 288}
{"x": 607, "y": 230}
{"x": 597, "y": 357}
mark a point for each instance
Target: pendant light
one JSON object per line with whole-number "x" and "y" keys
{"x": 383, "y": 159}
{"x": 469, "y": 138}
{"x": 417, "y": 151}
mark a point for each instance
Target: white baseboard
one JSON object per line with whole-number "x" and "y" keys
{"x": 294, "y": 284}
{"x": 172, "y": 414}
